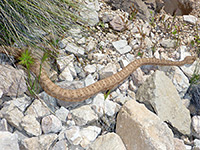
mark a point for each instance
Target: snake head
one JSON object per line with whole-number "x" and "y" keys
{"x": 189, "y": 59}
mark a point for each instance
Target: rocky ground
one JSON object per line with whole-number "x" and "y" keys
{"x": 156, "y": 108}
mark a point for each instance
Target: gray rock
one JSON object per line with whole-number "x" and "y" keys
{"x": 66, "y": 75}
{"x": 109, "y": 141}
{"x": 168, "y": 43}
{"x": 8, "y": 141}
{"x": 143, "y": 9}
{"x": 83, "y": 115}
{"x": 196, "y": 125}
{"x": 190, "y": 19}
{"x": 140, "y": 129}
{"x": 31, "y": 125}
{"x": 117, "y": 23}
{"x": 43, "y": 142}
{"x": 4, "y": 126}
{"x": 90, "y": 68}
{"x": 63, "y": 61}
{"x": 90, "y": 133}
{"x": 37, "y": 109}
{"x": 108, "y": 70}
{"x": 159, "y": 93}
{"x": 179, "y": 79}
{"x": 122, "y": 46}
{"x": 72, "y": 134}
{"x": 12, "y": 80}
{"x": 179, "y": 144}
{"x": 178, "y": 7}
{"x": 12, "y": 114}
{"x": 111, "y": 108}
{"x": 22, "y": 103}
{"x": 49, "y": 101}
{"x": 89, "y": 80}
{"x": 196, "y": 144}
{"x": 72, "y": 48}
{"x": 60, "y": 145}
{"x": 90, "y": 16}
{"x": 62, "y": 113}
{"x": 51, "y": 124}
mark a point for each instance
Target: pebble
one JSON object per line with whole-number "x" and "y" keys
{"x": 190, "y": 19}
{"x": 122, "y": 46}
{"x": 51, "y": 124}
{"x": 31, "y": 125}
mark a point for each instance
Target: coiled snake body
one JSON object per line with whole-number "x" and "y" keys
{"x": 108, "y": 83}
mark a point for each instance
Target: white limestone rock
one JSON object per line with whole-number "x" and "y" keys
{"x": 37, "y": 109}
{"x": 62, "y": 113}
{"x": 122, "y": 46}
{"x": 140, "y": 129}
{"x": 31, "y": 125}
{"x": 83, "y": 115}
{"x": 190, "y": 19}
{"x": 51, "y": 124}
{"x": 159, "y": 93}
{"x": 109, "y": 141}
{"x": 8, "y": 141}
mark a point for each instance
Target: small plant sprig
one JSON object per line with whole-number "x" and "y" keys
{"x": 27, "y": 60}
{"x": 176, "y": 33}
{"x": 106, "y": 94}
{"x": 133, "y": 13}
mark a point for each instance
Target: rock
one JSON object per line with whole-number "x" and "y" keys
{"x": 37, "y": 109}
{"x": 142, "y": 10}
{"x": 83, "y": 115}
{"x": 12, "y": 80}
{"x": 22, "y": 103}
{"x": 51, "y": 124}
{"x": 141, "y": 129}
{"x": 68, "y": 72}
{"x": 91, "y": 45}
{"x": 179, "y": 79}
{"x": 4, "y": 126}
{"x": 88, "y": 135}
{"x": 63, "y": 61}
{"x": 196, "y": 125}
{"x": 8, "y": 141}
{"x": 190, "y": 19}
{"x": 12, "y": 114}
{"x": 72, "y": 48}
{"x": 196, "y": 144}
{"x": 60, "y": 145}
{"x": 138, "y": 77}
{"x": 108, "y": 70}
{"x": 43, "y": 142}
{"x": 178, "y": 7}
{"x": 62, "y": 113}
{"x": 72, "y": 134}
{"x": 98, "y": 104}
{"x": 179, "y": 144}
{"x": 90, "y": 16}
{"x": 194, "y": 92}
{"x": 122, "y": 46}
{"x": 90, "y": 68}
{"x": 89, "y": 80}
{"x": 109, "y": 141}
{"x": 31, "y": 125}
{"x": 66, "y": 75}
{"x": 49, "y": 102}
{"x": 168, "y": 43}
{"x": 159, "y": 93}
{"x": 110, "y": 108}
{"x": 117, "y": 23}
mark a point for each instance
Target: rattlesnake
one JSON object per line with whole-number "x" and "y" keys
{"x": 108, "y": 83}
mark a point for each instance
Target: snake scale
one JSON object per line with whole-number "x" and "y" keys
{"x": 75, "y": 95}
